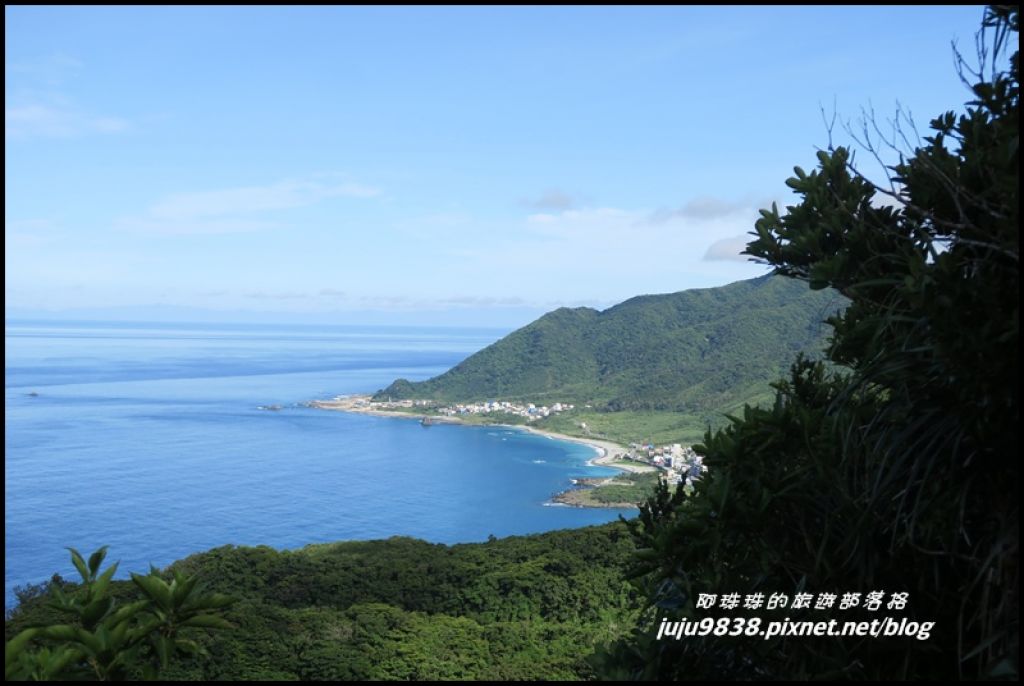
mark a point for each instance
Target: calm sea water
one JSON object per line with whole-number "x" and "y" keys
{"x": 147, "y": 438}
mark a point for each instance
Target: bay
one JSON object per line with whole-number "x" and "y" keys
{"x": 149, "y": 438}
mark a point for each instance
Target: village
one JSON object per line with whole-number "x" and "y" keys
{"x": 528, "y": 411}
{"x": 679, "y": 464}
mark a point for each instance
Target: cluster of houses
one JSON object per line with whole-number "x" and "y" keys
{"x": 529, "y": 411}
{"x": 679, "y": 464}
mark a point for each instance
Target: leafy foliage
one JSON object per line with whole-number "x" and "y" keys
{"x": 897, "y": 468}
{"x": 698, "y": 351}
{"x": 108, "y": 642}
{"x": 530, "y": 607}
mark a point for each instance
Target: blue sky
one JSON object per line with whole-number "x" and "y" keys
{"x": 450, "y": 165}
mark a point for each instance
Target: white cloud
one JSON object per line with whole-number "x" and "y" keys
{"x": 27, "y": 233}
{"x": 728, "y": 249}
{"x": 28, "y": 225}
{"x": 708, "y": 208}
{"x": 238, "y": 210}
{"x": 607, "y": 254}
{"x": 193, "y": 226}
{"x": 38, "y": 119}
{"x": 583, "y": 224}
{"x": 254, "y": 199}
{"x": 51, "y": 70}
{"x": 36, "y": 107}
{"x": 551, "y": 199}
{"x": 289, "y": 295}
{"x": 352, "y": 190}
{"x": 483, "y": 301}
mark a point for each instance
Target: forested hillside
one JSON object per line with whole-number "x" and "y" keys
{"x": 524, "y": 607}
{"x": 692, "y": 351}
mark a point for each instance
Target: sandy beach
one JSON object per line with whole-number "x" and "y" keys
{"x": 607, "y": 449}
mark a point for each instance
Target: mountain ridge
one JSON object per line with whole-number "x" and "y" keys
{"x": 695, "y": 350}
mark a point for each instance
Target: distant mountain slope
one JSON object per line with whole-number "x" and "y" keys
{"x": 693, "y": 350}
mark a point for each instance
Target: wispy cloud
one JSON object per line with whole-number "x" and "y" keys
{"x": 253, "y": 199}
{"x": 551, "y": 199}
{"x": 607, "y": 252}
{"x": 25, "y": 234}
{"x": 36, "y": 106}
{"x": 239, "y": 210}
{"x": 261, "y": 295}
{"x": 483, "y": 301}
{"x": 192, "y": 226}
{"x": 390, "y": 301}
{"x": 728, "y": 249}
{"x": 56, "y": 120}
{"x": 52, "y": 70}
{"x": 582, "y": 224}
{"x": 709, "y": 208}
{"x": 27, "y": 225}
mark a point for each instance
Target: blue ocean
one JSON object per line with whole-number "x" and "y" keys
{"x": 149, "y": 438}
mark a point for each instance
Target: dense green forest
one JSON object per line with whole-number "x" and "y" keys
{"x": 697, "y": 351}
{"x": 532, "y": 607}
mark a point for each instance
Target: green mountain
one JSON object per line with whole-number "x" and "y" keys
{"x": 694, "y": 351}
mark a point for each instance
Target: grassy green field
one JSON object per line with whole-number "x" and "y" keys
{"x": 627, "y": 488}
{"x": 630, "y": 426}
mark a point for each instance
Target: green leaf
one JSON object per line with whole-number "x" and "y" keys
{"x": 61, "y": 660}
{"x": 141, "y": 632}
{"x": 99, "y": 587}
{"x": 188, "y": 646}
{"x": 216, "y": 601}
{"x": 89, "y": 640}
{"x": 183, "y": 588}
{"x": 95, "y": 611}
{"x": 14, "y": 647}
{"x": 59, "y": 632}
{"x": 76, "y": 559}
{"x": 103, "y": 638}
{"x": 118, "y": 635}
{"x": 156, "y": 588}
{"x": 58, "y": 595}
{"x": 96, "y": 559}
{"x": 162, "y": 644}
{"x": 128, "y": 611}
